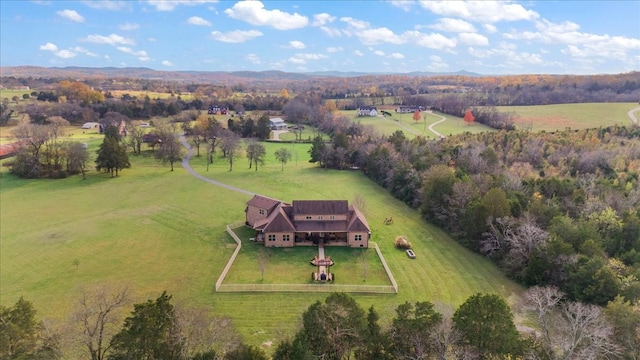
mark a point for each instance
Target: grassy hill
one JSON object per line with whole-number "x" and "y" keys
{"x": 574, "y": 116}
{"x": 154, "y": 230}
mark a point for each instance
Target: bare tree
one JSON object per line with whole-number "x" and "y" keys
{"x": 256, "y": 153}
{"x": 77, "y": 158}
{"x": 570, "y": 330}
{"x": 169, "y": 147}
{"x": 444, "y": 335}
{"x": 98, "y": 316}
{"x": 229, "y": 144}
{"x": 203, "y": 333}
{"x": 135, "y": 138}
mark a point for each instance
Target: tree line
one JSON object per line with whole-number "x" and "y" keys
{"x": 337, "y": 328}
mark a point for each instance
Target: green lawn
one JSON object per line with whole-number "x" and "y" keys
{"x": 574, "y": 116}
{"x": 154, "y": 230}
{"x": 388, "y": 125}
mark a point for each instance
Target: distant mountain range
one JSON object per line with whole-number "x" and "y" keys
{"x": 75, "y": 72}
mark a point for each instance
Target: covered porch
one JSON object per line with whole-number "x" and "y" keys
{"x": 321, "y": 237}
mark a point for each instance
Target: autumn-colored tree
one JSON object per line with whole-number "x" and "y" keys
{"x": 416, "y": 115}
{"x": 468, "y": 117}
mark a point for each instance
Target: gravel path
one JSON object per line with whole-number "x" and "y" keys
{"x": 185, "y": 164}
{"x": 632, "y": 116}
{"x": 442, "y": 118}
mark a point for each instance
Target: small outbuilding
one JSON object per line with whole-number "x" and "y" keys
{"x": 90, "y": 125}
{"x": 277, "y": 124}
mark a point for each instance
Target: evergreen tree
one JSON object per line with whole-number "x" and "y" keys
{"x": 149, "y": 333}
{"x": 112, "y": 156}
{"x": 316, "y": 150}
{"x": 486, "y": 323}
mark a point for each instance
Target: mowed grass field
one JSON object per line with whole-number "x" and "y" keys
{"x": 152, "y": 230}
{"x": 574, "y": 116}
{"x": 386, "y": 125}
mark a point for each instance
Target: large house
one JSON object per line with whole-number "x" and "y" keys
{"x": 367, "y": 111}
{"x": 307, "y": 222}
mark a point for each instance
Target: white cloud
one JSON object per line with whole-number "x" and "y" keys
{"x": 197, "y": 20}
{"x": 302, "y": 58}
{"x": 113, "y": 39}
{"x": 397, "y": 56}
{"x": 490, "y": 28}
{"x": 403, "y": 4}
{"x": 453, "y": 25}
{"x": 355, "y": 23}
{"x": 167, "y": 63}
{"x": 128, "y": 26}
{"x": 71, "y": 15}
{"x": 322, "y": 19}
{"x": 107, "y": 5}
{"x": 310, "y": 56}
{"x": 236, "y": 36}
{"x": 379, "y": 52}
{"x": 65, "y": 54}
{"x": 254, "y": 13}
{"x": 140, "y": 54}
{"x": 331, "y": 32}
{"x": 430, "y": 41}
{"x": 379, "y": 35}
{"x": 253, "y": 58}
{"x": 358, "y": 53}
{"x": 82, "y": 50}
{"x": 579, "y": 44}
{"x": 295, "y": 44}
{"x": 169, "y": 5}
{"x": 49, "y": 47}
{"x": 472, "y": 39}
{"x": 480, "y": 11}
{"x": 297, "y": 60}
{"x": 334, "y": 49}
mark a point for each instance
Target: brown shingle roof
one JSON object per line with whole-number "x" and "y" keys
{"x": 279, "y": 222}
{"x": 263, "y": 202}
{"x": 320, "y": 207}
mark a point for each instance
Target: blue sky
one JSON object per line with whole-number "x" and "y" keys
{"x": 487, "y": 37}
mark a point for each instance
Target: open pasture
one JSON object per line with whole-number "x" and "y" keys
{"x": 152, "y": 230}
{"x": 141, "y": 94}
{"x": 573, "y": 116}
{"x": 387, "y": 125}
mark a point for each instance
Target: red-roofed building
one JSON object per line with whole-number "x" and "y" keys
{"x": 307, "y": 222}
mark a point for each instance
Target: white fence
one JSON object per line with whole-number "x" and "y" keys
{"x": 372, "y": 289}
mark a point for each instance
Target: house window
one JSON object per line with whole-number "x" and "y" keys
{"x": 332, "y": 217}
{"x": 272, "y": 237}
{"x": 308, "y": 217}
{"x": 357, "y": 237}
{"x": 285, "y": 237}
{"x": 320, "y": 217}
{"x": 261, "y": 211}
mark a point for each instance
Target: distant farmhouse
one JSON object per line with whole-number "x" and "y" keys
{"x": 277, "y": 124}
{"x": 218, "y": 110}
{"x": 307, "y": 223}
{"x": 367, "y": 111}
{"x": 409, "y": 109}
